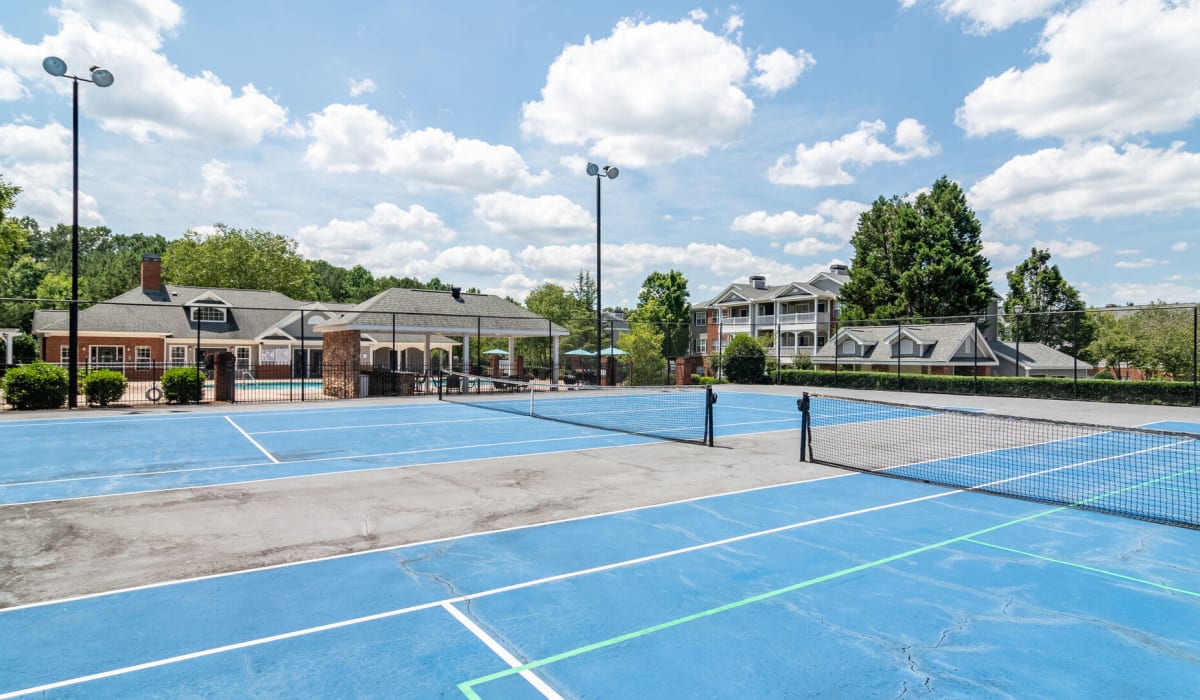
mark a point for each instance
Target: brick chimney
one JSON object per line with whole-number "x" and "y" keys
{"x": 151, "y": 273}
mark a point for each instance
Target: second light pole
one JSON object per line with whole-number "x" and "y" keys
{"x": 611, "y": 173}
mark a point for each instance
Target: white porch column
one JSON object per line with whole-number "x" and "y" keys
{"x": 466, "y": 356}
{"x": 428, "y": 360}
{"x": 8, "y": 334}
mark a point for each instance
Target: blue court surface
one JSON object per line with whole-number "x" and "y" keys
{"x": 93, "y": 456}
{"x": 850, "y": 586}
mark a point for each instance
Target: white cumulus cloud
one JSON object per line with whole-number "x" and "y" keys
{"x": 648, "y": 93}
{"x": 361, "y": 87}
{"x": 986, "y": 16}
{"x": 833, "y": 219}
{"x": 1180, "y": 246}
{"x": 1110, "y": 68}
{"x": 1094, "y": 180}
{"x": 546, "y": 218}
{"x": 827, "y": 162}
{"x": 352, "y": 138}
{"x": 38, "y": 160}
{"x": 780, "y": 70}
{"x": 390, "y": 241}
{"x": 218, "y": 185}
{"x": 151, "y": 97}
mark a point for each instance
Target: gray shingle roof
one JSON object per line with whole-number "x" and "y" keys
{"x": 1036, "y": 356}
{"x": 419, "y": 310}
{"x": 937, "y": 344}
{"x": 164, "y": 311}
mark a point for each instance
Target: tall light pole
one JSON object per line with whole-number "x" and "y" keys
{"x": 611, "y": 173}
{"x": 100, "y": 78}
{"x": 1018, "y": 309}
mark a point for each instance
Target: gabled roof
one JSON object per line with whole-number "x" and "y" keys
{"x": 426, "y": 310}
{"x": 743, "y": 293}
{"x": 1036, "y": 356}
{"x": 941, "y": 344}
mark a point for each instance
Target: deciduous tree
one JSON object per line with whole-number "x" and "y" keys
{"x": 922, "y": 258}
{"x": 238, "y": 259}
{"x": 663, "y": 301}
{"x": 1051, "y": 307}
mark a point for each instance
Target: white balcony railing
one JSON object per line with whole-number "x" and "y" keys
{"x": 736, "y": 321}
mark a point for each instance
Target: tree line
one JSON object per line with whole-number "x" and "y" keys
{"x": 914, "y": 258}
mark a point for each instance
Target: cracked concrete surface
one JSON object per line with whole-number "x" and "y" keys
{"x": 64, "y": 548}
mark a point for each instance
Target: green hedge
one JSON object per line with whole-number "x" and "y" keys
{"x": 1148, "y": 392}
{"x": 103, "y": 386}
{"x": 182, "y": 384}
{"x": 36, "y": 385}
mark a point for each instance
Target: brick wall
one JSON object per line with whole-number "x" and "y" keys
{"x": 52, "y": 349}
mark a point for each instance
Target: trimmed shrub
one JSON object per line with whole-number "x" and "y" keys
{"x": 1103, "y": 374}
{"x": 36, "y": 385}
{"x": 182, "y": 384}
{"x": 104, "y": 386}
{"x": 744, "y": 361}
{"x": 1170, "y": 393}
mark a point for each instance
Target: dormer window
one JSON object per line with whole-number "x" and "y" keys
{"x": 849, "y": 347}
{"x": 906, "y": 346}
{"x": 214, "y": 314}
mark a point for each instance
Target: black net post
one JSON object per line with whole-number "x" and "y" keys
{"x": 1195, "y": 341}
{"x": 710, "y": 398}
{"x": 803, "y": 404}
{"x": 303, "y": 357}
{"x": 440, "y": 382}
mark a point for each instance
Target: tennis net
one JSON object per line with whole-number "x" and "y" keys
{"x": 681, "y": 413}
{"x": 1146, "y": 474}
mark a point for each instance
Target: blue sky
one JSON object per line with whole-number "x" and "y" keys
{"x": 451, "y": 140}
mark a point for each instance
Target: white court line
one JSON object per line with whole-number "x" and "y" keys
{"x": 457, "y": 599}
{"x": 304, "y": 461}
{"x": 384, "y": 425}
{"x": 249, "y": 410}
{"x": 252, "y": 440}
{"x": 499, "y": 650}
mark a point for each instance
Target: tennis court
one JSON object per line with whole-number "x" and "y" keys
{"x": 845, "y": 586}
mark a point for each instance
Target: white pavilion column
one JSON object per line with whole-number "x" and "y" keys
{"x": 554, "y": 360}
{"x": 466, "y": 356}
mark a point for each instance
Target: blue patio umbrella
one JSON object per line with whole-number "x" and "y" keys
{"x": 612, "y": 351}
{"x": 495, "y": 352}
{"x": 580, "y": 352}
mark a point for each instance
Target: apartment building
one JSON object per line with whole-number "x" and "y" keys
{"x": 799, "y": 316}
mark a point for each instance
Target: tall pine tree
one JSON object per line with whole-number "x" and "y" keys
{"x": 919, "y": 259}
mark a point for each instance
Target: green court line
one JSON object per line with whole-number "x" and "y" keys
{"x": 1085, "y": 567}
{"x": 468, "y": 687}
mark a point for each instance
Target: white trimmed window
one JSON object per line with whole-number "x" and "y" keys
{"x": 178, "y": 356}
{"x": 906, "y": 346}
{"x": 141, "y": 356}
{"x": 243, "y": 356}
{"x": 849, "y": 348}
{"x": 208, "y": 313}
{"x": 701, "y": 345}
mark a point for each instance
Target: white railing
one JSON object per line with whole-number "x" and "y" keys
{"x": 797, "y": 318}
{"x": 735, "y": 321}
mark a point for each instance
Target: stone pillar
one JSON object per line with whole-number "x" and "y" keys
{"x": 494, "y": 365}
{"x": 518, "y": 366}
{"x": 224, "y": 376}
{"x": 341, "y": 364}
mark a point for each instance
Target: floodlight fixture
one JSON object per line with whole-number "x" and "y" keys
{"x": 592, "y": 168}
